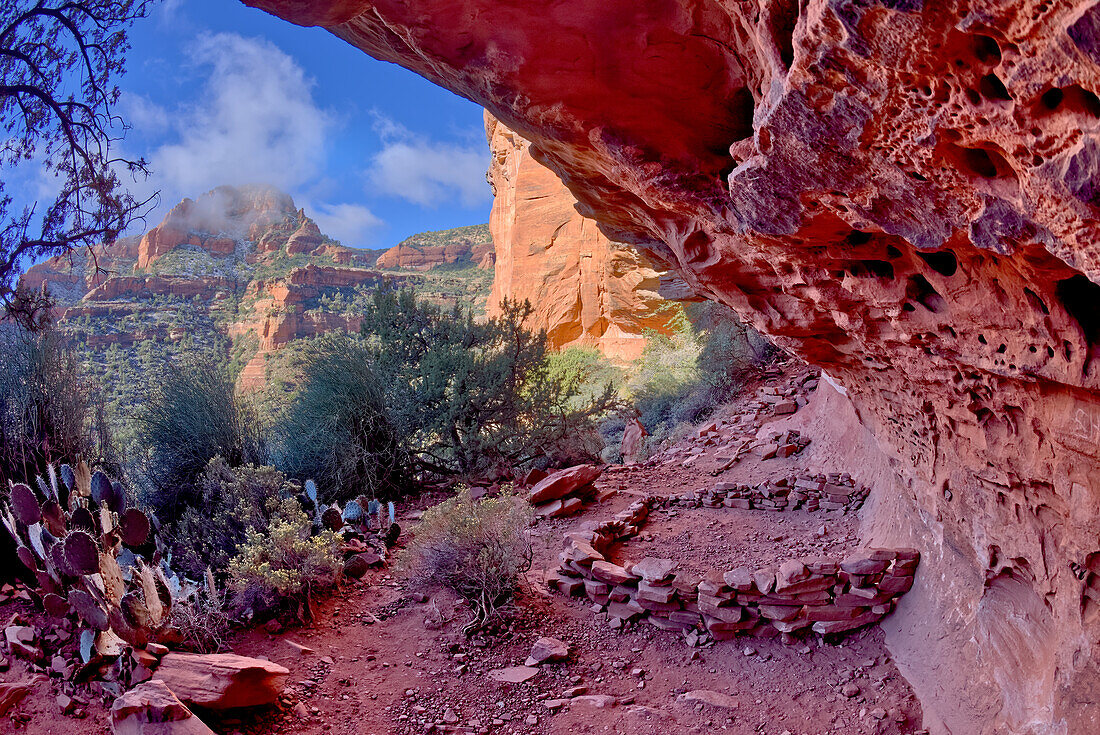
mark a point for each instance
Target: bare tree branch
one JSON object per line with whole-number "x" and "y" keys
{"x": 59, "y": 60}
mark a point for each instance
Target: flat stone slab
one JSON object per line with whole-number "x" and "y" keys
{"x": 513, "y": 674}
{"x": 707, "y": 696}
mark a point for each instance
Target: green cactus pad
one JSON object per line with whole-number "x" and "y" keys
{"x": 53, "y": 517}
{"x": 24, "y": 503}
{"x": 148, "y": 581}
{"x": 88, "y": 609}
{"x": 56, "y": 556}
{"x": 135, "y": 611}
{"x": 136, "y": 637}
{"x": 116, "y": 499}
{"x": 81, "y": 553}
{"x": 134, "y": 527}
{"x": 55, "y": 605}
{"x": 114, "y": 586}
{"x": 83, "y": 520}
{"x": 68, "y": 477}
{"x": 27, "y": 557}
{"x": 46, "y": 583}
{"x": 101, "y": 487}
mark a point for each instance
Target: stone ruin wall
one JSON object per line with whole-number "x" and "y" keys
{"x": 819, "y": 594}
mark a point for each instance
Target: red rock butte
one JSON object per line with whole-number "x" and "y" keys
{"x": 902, "y": 192}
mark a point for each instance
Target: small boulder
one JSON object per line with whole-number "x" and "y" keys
{"x": 20, "y": 640}
{"x": 152, "y": 709}
{"x": 547, "y": 649}
{"x": 220, "y": 681}
{"x": 359, "y": 564}
{"x": 563, "y": 482}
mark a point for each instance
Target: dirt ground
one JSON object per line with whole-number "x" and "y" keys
{"x": 378, "y": 662}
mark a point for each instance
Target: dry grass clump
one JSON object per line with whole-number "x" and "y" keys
{"x": 479, "y": 549}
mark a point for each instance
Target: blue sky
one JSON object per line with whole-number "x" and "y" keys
{"x": 220, "y": 93}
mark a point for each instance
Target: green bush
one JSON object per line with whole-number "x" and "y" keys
{"x": 229, "y": 503}
{"x": 478, "y": 549}
{"x": 286, "y": 561}
{"x": 191, "y": 414}
{"x": 683, "y": 376}
{"x": 474, "y": 397}
{"x": 336, "y": 428}
{"x": 51, "y": 410}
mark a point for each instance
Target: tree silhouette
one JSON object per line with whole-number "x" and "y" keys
{"x": 58, "y": 64}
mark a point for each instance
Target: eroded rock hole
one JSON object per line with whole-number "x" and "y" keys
{"x": 1081, "y": 299}
{"x": 987, "y": 49}
{"x": 1052, "y": 98}
{"x": 920, "y": 290}
{"x": 858, "y": 237}
{"x": 992, "y": 88}
{"x": 1073, "y": 99}
{"x": 945, "y": 263}
{"x": 980, "y": 162}
{"x": 742, "y": 107}
{"x": 872, "y": 269}
{"x": 784, "y": 19}
{"x": 697, "y": 247}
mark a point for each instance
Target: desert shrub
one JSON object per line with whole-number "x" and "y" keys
{"x": 336, "y": 428}
{"x": 585, "y": 370}
{"x": 190, "y": 414}
{"x": 228, "y": 503}
{"x": 732, "y": 349}
{"x": 684, "y": 375}
{"x": 51, "y": 410}
{"x": 285, "y": 561}
{"x": 474, "y": 397}
{"x": 201, "y": 618}
{"x": 479, "y": 549}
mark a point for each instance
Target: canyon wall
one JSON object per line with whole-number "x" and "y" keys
{"x": 903, "y": 192}
{"x": 586, "y": 289}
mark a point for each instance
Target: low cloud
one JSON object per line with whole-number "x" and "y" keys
{"x": 428, "y": 172}
{"x": 352, "y": 224}
{"x": 254, "y": 122}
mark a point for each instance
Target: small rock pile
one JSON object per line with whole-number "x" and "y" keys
{"x": 729, "y": 439}
{"x": 564, "y": 492}
{"x": 824, "y": 595}
{"x": 780, "y": 445}
{"x": 832, "y": 492}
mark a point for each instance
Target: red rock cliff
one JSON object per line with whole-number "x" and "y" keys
{"x": 215, "y": 221}
{"x": 586, "y": 289}
{"x": 905, "y": 193}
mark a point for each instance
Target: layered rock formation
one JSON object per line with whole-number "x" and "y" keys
{"x": 216, "y": 221}
{"x": 905, "y": 194}
{"x": 247, "y": 263}
{"x": 586, "y": 289}
{"x": 462, "y": 245}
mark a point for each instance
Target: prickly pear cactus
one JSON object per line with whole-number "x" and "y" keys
{"x": 92, "y": 556}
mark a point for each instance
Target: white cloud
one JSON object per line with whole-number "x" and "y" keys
{"x": 428, "y": 172}
{"x": 255, "y": 122}
{"x": 351, "y": 224}
{"x": 141, "y": 112}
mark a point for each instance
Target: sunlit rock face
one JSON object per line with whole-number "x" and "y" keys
{"x": 586, "y": 290}
{"x": 902, "y": 192}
